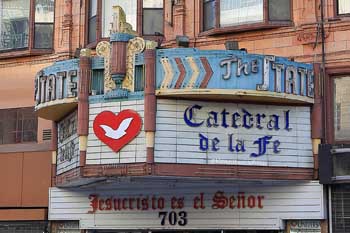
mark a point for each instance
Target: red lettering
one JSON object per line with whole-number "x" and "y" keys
{"x": 198, "y": 201}
{"x": 195, "y": 202}
{"x": 241, "y": 200}
{"x": 219, "y": 200}
{"x": 93, "y": 203}
{"x": 174, "y": 203}
{"x": 232, "y": 202}
{"x": 131, "y": 200}
{"x": 161, "y": 203}
{"x": 100, "y": 204}
{"x": 117, "y": 204}
{"x": 109, "y": 204}
{"x": 260, "y": 205}
{"x": 138, "y": 203}
{"x": 202, "y": 206}
{"x": 154, "y": 203}
{"x": 145, "y": 204}
{"x": 251, "y": 201}
{"x": 181, "y": 203}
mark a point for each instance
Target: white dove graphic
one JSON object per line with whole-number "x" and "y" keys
{"x": 120, "y": 131}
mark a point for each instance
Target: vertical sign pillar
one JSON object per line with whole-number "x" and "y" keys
{"x": 150, "y": 102}
{"x": 83, "y": 103}
{"x": 119, "y": 44}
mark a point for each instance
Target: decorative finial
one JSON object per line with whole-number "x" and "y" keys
{"x": 85, "y": 52}
{"x": 119, "y": 23}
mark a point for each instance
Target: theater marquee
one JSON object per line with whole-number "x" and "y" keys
{"x": 161, "y": 204}
{"x": 233, "y": 134}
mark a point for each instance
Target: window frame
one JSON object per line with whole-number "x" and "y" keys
{"x": 336, "y": 10}
{"x": 99, "y": 37}
{"x": 31, "y": 50}
{"x": 331, "y": 75}
{"x": 265, "y": 24}
{"x": 20, "y": 117}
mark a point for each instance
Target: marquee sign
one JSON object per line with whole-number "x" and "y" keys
{"x": 193, "y": 69}
{"x": 67, "y": 143}
{"x": 233, "y": 134}
{"x": 159, "y": 204}
{"x": 57, "y": 85}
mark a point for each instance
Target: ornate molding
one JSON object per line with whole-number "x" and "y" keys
{"x": 85, "y": 52}
{"x": 150, "y": 44}
{"x": 103, "y": 49}
{"x": 135, "y": 46}
{"x": 311, "y": 35}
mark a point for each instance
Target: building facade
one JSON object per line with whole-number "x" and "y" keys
{"x": 175, "y": 115}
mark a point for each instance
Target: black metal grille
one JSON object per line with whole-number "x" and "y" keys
{"x": 23, "y": 227}
{"x": 341, "y": 208}
{"x": 47, "y": 134}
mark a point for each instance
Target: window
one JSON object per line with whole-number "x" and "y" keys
{"x": 92, "y": 21}
{"x": 343, "y": 7}
{"x": 15, "y": 19}
{"x": 340, "y": 208}
{"x": 228, "y": 14}
{"x": 341, "y": 108}
{"x": 152, "y": 17}
{"x": 18, "y": 125}
{"x": 139, "y": 78}
{"x": 97, "y": 82}
{"x": 341, "y": 164}
{"x": 100, "y": 17}
{"x": 44, "y": 17}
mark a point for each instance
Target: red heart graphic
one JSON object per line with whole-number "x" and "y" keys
{"x": 117, "y": 130}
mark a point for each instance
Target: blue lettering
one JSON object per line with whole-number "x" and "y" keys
{"x": 224, "y": 113}
{"x": 188, "y": 116}
{"x": 247, "y": 119}
{"x": 286, "y": 118}
{"x": 273, "y": 123}
{"x": 258, "y": 120}
{"x": 215, "y": 143}
{"x": 203, "y": 142}
{"x": 276, "y": 144}
{"x": 213, "y": 116}
{"x": 262, "y": 142}
{"x": 235, "y": 117}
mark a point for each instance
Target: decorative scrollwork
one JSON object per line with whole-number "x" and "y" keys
{"x": 103, "y": 49}
{"x": 135, "y": 46}
{"x": 150, "y": 44}
{"x": 85, "y": 52}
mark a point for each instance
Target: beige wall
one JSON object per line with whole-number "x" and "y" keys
{"x": 17, "y": 84}
{"x": 25, "y": 179}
